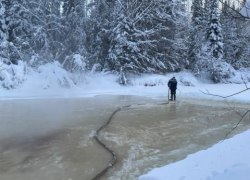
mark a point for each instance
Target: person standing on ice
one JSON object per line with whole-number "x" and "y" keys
{"x": 172, "y": 84}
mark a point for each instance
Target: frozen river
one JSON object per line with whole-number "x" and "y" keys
{"x": 52, "y": 139}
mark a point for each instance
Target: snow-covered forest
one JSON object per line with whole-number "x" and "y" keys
{"x": 69, "y": 39}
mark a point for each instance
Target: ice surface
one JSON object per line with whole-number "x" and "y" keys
{"x": 29, "y": 129}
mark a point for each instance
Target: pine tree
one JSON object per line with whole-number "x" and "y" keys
{"x": 214, "y": 31}
{"x": 145, "y": 40}
{"x": 99, "y": 25}
{"x": 198, "y": 44}
{"x": 10, "y": 25}
{"x": 133, "y": 45}
{"x": 3, "y": 35}
{"x": 211, "y": 63}
{"x": 196, "y": 37}
{"x": 58, "y": 30}
{"x": 207, "y": 9}
{"x": 232, "y": 42}
{"x": 236, "y": 40}
{"x": 17, "y": 21}
{"x": 218, "y": 69}
{"x": 13, "y": 36}
{"x": 148, "y": 38}
{"x": 180, "y": 42}
{"x": 73, "y": 23}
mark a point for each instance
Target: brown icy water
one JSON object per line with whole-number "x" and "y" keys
{"x": 52, "y": 139}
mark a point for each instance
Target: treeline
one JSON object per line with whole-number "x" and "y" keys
{"x": 126, "y": 36}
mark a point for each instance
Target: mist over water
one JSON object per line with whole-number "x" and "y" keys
{"x": 52, "y": 139}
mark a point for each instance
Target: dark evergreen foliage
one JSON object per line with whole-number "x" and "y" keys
{"x": 214, "y": 31}
{"x": 126, "y": 36}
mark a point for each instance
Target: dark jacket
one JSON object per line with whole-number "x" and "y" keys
{"x": 172, "y": 84}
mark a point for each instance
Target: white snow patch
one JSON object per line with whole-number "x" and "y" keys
{"x": 53, "y": 75}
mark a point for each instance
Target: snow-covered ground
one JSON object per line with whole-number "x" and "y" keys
{"x": 228, "y": 160}
{"x": 52, "y": 81}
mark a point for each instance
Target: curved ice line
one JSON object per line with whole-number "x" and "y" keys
{"x": 113, "y": 161}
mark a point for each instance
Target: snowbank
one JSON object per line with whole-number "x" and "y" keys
{"x": 51, "y": 80}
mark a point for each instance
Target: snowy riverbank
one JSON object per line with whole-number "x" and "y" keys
{"x": 49, "y": 85}
{"x": 228, "y": 160}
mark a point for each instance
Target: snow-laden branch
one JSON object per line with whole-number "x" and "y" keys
{"x": 32, "y": 13}
{"x": 244, "y": 13}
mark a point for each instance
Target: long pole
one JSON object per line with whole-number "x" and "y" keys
{"x": 168, "y": 93}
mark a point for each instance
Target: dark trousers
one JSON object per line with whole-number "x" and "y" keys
{"x": 173, "y": 94}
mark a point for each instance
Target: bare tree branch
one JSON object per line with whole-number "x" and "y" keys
{"x": 210, "y": 94}
{"x": 242, "y": 116}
